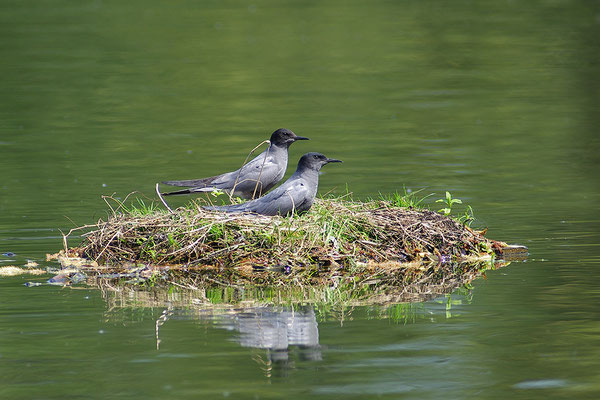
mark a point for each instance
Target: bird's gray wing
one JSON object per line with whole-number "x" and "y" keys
{"x": 251, "y": 172}
{"x": 282, "y": 200}
{"x": 294, "y": 195}
{"x": 192, "y": 182}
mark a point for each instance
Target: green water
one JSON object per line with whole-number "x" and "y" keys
{"x": 496, "y": 102}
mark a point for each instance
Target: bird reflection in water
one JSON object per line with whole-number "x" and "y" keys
{"x": 281, "y": 333}
{"x": 285, "y": 333}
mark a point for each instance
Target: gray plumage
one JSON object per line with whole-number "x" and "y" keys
{"x": 295, "y": 194}
{"x": 253, "y": 179}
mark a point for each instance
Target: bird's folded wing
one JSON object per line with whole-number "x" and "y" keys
{"x": 250, "y": 172}
{"x": 282, "y": 201}
{"x": 192, "y": 182}
{"x": 258, "y": 167}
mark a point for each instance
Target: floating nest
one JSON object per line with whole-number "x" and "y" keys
{"x": 339, "y": 243}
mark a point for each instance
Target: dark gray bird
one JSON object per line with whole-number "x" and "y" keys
{"x": 253, "y": 179}
{"x": 295, "y": 194}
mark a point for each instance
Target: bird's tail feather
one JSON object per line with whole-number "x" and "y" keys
{"x": 191, "y": 190}
{"x": 184, "y": 191}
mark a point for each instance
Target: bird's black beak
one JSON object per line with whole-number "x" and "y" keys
{"x": 301, "y": 138}
{"x": 333, "y": 160}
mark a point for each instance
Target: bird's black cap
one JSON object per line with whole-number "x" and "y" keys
{"x": 285, "y": 137}
{"x": 315, "y": 161}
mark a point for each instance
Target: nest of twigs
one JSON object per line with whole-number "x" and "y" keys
{"x": 333, "y": 232}
{"x": 360, "y": 250}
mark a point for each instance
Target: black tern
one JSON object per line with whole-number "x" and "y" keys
{"x": 295, "y": 194}
{"x": 253, "y": 179}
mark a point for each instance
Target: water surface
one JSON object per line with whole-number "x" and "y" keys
{"x": 495, "y": 102}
